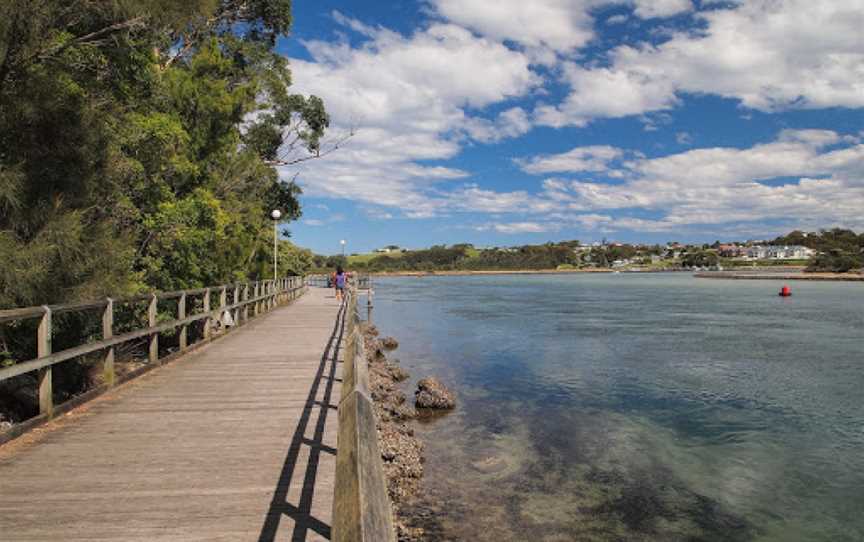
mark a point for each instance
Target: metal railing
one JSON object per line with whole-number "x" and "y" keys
{"x": 257, "y": 298}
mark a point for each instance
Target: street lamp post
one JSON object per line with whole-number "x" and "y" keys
{"x": 276, "y": 214}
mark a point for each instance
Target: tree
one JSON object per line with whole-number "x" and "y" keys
{"x": 836, "y": 261}
{"x": 138, "y": 142}
{"x": 701, "y": 258}
{"x": 137, "y": 149}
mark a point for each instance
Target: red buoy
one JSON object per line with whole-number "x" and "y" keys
{"x": 785, "y": 291}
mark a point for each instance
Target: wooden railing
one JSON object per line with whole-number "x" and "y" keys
{"x": 361, "y": 506}
{"x": 361, "y": 281}
{"x": 255, "y": 298}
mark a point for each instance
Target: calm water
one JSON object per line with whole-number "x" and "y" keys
{"x": 638, "y": 407}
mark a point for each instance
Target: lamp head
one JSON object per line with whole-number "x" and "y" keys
{"x": 276, "y": 214}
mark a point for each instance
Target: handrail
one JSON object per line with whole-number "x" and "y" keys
{"x": 361, "y": 506}
{"x": 261, "y": 296}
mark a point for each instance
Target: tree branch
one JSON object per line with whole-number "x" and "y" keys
{"x": 284, "y": 161}
{"x": 93, "y": 37}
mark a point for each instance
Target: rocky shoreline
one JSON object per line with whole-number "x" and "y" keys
{"x": 401, "y": 450}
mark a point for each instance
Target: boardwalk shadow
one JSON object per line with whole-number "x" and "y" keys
{"x": 302, "y": 512}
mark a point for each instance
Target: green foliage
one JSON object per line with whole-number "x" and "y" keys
{"x": 825, "y": 240}
{"x": 136, "y": 151}
{"x": 128, "y": 159}
{"x": 701, "y": 258}
{"x": 465, "y": 257}
{"x": 836, "y": 261}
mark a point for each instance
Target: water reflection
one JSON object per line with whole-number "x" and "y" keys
{"x": 637, "y": 408}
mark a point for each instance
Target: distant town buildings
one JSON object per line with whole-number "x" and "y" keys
{"x": 766, "y": 252}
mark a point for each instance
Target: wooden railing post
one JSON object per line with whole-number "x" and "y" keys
{"x": 235, "y": 301}
{"x": 207, "y": 311}
{"x": 257, "y": 294}
{"x": 151, "y": 321}
{"x": 270, "y": 288}
{"x": 107, "y": 332}
{"x": 181, "y": 313}
{"x": 43, "y": 348}
{"x": 245, "y": 302}
{"x": 223, "y": 302}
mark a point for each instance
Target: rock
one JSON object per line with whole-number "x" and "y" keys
{"x": 397, "y": 373}
{"x": 406, "y": 533}
{"x": 371, "y": 330}
{"x": 431, "y": 393}
{"x": 402, "y": 453}
{"x": 489, "y": 465}
{"x": 389, "y": 343}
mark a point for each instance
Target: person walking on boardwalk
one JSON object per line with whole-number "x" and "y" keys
{"x": 339, "y": 282}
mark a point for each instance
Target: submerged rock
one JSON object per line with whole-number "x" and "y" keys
{"x": 490, "y": 465}
{"x": 389, "y": 343}
{"x": 431, "y": 393}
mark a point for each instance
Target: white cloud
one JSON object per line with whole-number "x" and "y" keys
{"x": 769, "y": 54}
{"x": 728, "y": 185}
{"x": 605, "y": 92}
{"x": 518, "y": 227}
{"x": 592, "y": 158}
{"x": 560, "y": 25}
{"x": 683, "y": 138}
{"x": 406, "y": 98}
{"x": 511, "y": 123}
{"x": 649, "y": 9}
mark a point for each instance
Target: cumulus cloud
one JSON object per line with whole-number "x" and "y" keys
{"x": 650, "y": 9}
{"x": 770, "y": 55}
{"x": 608, "y": 92}
{"x": 405, "y": 98}
{"x": 821, "y": 178}
{"x": 511, "y": 123}
{"x": 591, "y": 158}
{"x": 560, "y": 25}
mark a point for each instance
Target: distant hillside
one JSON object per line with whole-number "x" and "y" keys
{"x": 838, "y": 250}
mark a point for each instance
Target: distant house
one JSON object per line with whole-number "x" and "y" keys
{"x": 731, "y": 251}
{"x": 388, "y": 249}
{"x": 778, "y": 252}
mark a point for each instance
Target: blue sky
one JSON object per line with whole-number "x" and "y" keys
{"x": 511, "y": 122}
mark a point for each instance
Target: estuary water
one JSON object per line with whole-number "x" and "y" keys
{"x": 637, "y": 407}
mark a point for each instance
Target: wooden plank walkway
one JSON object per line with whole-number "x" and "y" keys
{"x": 233, "y": 442}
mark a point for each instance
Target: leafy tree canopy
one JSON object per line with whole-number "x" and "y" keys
{"x": 137, "y": 144}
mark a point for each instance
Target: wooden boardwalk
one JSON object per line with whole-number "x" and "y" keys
{"x": 233, "y": 442}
